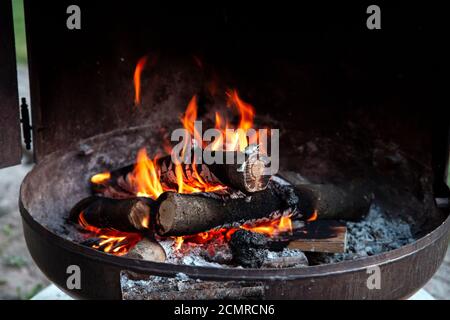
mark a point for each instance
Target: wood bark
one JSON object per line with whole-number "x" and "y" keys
{"x": 329, "y": 201}
{"x": 184, "y": 214}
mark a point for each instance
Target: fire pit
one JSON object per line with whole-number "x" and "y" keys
{"x": 124, "y": 276}
{"x": 346, "y": 189}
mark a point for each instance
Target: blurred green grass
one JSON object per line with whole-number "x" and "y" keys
{"x": 19, "y": 31}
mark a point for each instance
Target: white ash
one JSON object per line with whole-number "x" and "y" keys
{"x": 286, "y": 252}
{"x": 197, "y": 255}
{"x": 376, "y": 233}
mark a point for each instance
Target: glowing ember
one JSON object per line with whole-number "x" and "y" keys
{"x": 271, "y": 229}
{"x": 101, "y": 178}
{"x": 137, "y": 80}
{"x": 111, "y": 241}
{"x": 313, "y": 217}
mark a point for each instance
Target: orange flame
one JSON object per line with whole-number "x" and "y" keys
{"x": 236, "y": 140}
{"x": 145, "y": 177}
{"x": 111, "y": 241}
{"x": 246, "y": 110}
{"x": 137, "y": 80}
{"x": 313, "y": 217}
{"x": 271, "y": 229}
{"x": 146, "y": 181}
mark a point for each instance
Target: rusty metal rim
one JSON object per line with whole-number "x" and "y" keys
{"x": 210, "y": 273}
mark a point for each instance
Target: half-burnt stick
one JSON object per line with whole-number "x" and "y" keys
{"x": 184, "y": 214}
{"x": 128, "y": 215}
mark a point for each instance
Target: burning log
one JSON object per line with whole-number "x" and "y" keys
{"x": 113, "y": 184}
{"x": 147, "y": 250}
{"x": 128, "y": 215}
{"x": 248, "y": 177}
{"x": 184, "y": 214}
{"x": 334, "y": 202}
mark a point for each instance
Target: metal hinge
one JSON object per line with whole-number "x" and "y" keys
{"x": 26, "y": 126}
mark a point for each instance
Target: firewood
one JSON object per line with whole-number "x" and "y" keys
{"x": 249, "y": 176}
{"x": 318, "y": 236}
{"x": 329, "y": 201}
{"x": 184, "y": 214}
{"x": 148, "y": 250}
{"x": 128, "y": 215}
{"x": 244, "y": 171}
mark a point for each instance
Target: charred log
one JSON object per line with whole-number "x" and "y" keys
{"x": 334, "y": 202}
{"x": 128, "y": 215}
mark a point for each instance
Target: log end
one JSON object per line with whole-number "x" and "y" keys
{"x": 147, "y": 250}
{"x": 140, "y": 215}
{"x": 255, "y": 177}
{"x": 166, "y": 214}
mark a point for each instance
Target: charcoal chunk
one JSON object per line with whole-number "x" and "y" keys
{"x": 248, "y": 248}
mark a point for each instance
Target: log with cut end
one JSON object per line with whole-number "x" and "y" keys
{"x": 244, "y": 171}
{"x": 128, "y": 215}
{"x": 247, "y": 176}
{"x": 329, "y": 201}
{"x": 184, "y": 214}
